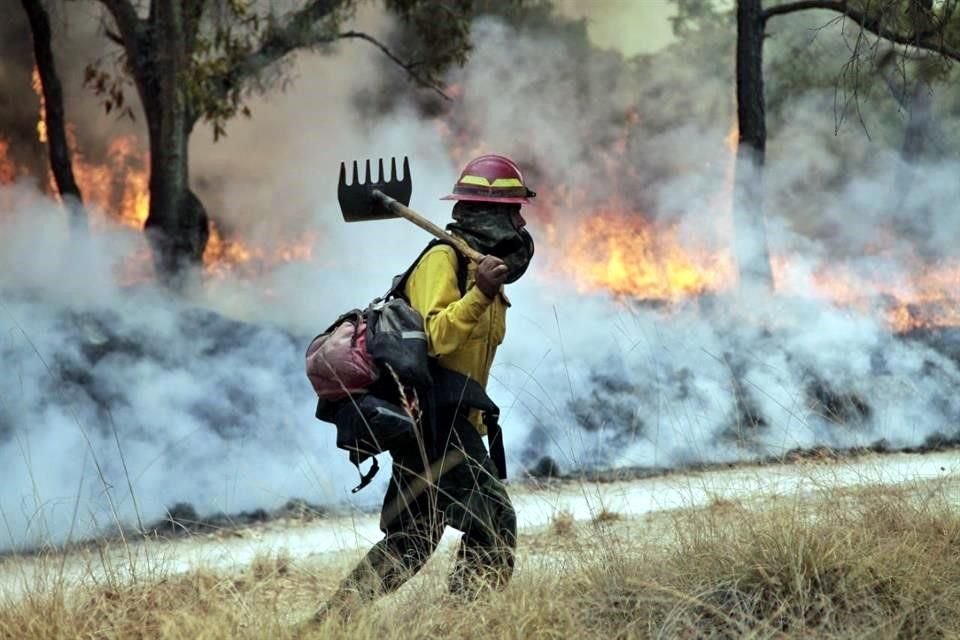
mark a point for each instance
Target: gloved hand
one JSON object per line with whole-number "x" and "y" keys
{"x": 491, "y": 274}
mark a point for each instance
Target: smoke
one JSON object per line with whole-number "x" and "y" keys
{"x": 116, "y": 404}
{"x": 606, "y": 20}
{"x": 736, "y": 375}
{"x": 600, "y": 387}
{"x": 205, "y": 398}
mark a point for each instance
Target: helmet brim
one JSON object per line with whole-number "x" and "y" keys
{"x": 477, "y": 198}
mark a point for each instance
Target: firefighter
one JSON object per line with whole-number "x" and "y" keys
{"x": 457, "y": 484}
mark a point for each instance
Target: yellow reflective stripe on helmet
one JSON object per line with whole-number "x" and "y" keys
{"x": 480, "y": 181}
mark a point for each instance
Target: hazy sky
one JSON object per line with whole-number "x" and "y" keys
{"x": 630, "y": 26}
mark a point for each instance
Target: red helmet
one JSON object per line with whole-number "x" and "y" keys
{"x": 491, "y": 178}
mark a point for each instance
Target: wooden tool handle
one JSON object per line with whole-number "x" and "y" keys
{"x": 406, "y": 212}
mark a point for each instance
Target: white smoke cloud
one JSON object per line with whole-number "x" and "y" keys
{"x": 108, "y": 392}
{"x": 594, "y": 382}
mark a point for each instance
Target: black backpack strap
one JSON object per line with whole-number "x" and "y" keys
{"x": 365, "y": 478}
{"x": 327, "y": 412}
{"x": 400, "y": 281}
{"x": 462, "y": 264}
{"x": 495, "y": 440}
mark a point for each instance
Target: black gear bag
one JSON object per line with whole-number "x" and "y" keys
{"x": 374, "y": 421}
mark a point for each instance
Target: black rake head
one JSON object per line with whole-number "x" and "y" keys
{"x": 357, "y": 202}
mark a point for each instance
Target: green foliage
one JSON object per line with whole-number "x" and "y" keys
{"x": 821, "y": 51}
{"x": 866, "y": 77}
{"x": 540, "y": 17}
{"x": 697, "y": 15}
{"x": 439, "y": 33}
{"x": 920, "y": 18}
{"x": 233, "y": 47}
{"x": 216, "y": 52}
{"x": 109, "y": 81}
{"x": 225, "y": 62}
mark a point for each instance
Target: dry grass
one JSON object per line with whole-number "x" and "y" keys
{"x": 868, "y": 563}
{"x": 563, "y": 523}
{"x": 605, "y": 516}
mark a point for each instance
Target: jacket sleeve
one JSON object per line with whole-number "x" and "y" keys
{"x": 433, "y": 291}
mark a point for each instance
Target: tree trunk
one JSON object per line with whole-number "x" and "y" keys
{"x": 59, "y": 150}
{"x": 18, "y": 113}
{"x": 749, "y": 226}
{"x": 177, "y": 224}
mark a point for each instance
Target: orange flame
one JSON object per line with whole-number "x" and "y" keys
{"x": 42, "y": 118}
{"x": 8, "y": 169}
{"x": 925, "y": 297}
{"x": 626, "y": 254}
{"x": 224, "y": 256}
{"x": 609, "y": 245}
{"x": 117, "y": 187}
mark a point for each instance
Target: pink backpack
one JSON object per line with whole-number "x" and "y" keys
{"x": 338, "y": 363}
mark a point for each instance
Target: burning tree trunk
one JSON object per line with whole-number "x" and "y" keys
{"x": 56, "y": 132}
{"x": 177, "y": 225}
{"x": 158, "y": 51}
{"x": 749, "y": 226}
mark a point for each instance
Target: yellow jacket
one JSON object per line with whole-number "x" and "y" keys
{"x": 463, "y": 333}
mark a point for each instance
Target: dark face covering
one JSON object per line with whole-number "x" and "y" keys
{"x": 489, "y": 228}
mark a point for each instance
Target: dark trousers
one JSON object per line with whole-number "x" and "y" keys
{"x": 458, "y": 488}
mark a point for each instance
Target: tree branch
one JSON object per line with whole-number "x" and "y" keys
{"x": 193, "y": 12}
{"x": 898, "y": 91}
{"x": 53, "y": 114}
{"x": 112, "y": 35}
{"x": 301, "y": 31}
{"x": 406, "y": 66}
{"x": 873, "y": 24}
{"x": 128, "y": 22}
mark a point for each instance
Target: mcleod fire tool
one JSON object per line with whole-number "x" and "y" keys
{"x": 385, "y": 199}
